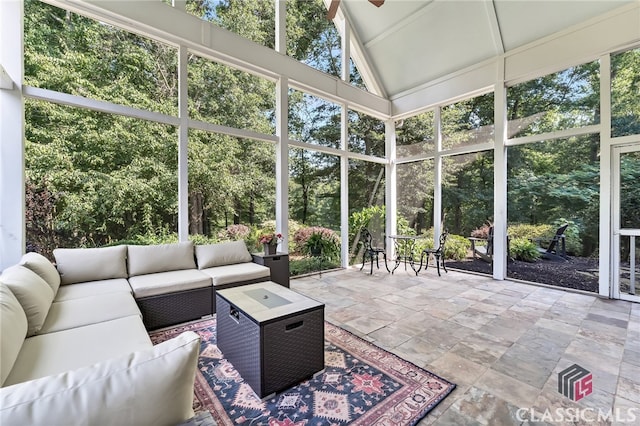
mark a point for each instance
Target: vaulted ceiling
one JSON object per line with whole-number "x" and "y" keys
{"x": 408, "y": 43}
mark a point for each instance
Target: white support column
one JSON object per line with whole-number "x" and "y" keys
{"x": 606, "y": 234}
{"x": 391, "y": 193}
{"x": 344, "y": 188}
{"x": 12, "y": 206}
{"x": 344, "y": 160}
{"x": 281, "y": 26}
{"x": 500, "y": 177}
{"x": 282, "y": 162}
{"x": 183, "y": 146}
{"x": 437, "y": 179}
{"x": 346, "y": 51}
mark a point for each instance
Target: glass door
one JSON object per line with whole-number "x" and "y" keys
{"x": 626, "y": 223}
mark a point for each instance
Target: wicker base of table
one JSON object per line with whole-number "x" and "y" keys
{"x": 275, "y": 355}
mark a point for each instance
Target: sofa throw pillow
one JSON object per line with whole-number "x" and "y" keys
{"x": 149, "y": 387}
{"x": 41, "y": 266}
{"x": 13, "y": 330}
{"x": 77, "y": 265}
{"x": 220, "y": 254}
{"x": 160, "y": 258}
{"x": 33, "y": 293}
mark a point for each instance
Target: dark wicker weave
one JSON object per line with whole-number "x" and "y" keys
{"x": 173, "y": 308}
{"x": 274, "y": 355}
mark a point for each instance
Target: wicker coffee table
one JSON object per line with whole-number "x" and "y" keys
{"x": 273, "y": 336}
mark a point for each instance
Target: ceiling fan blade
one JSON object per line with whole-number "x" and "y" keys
{"x": 377, "y": 3}
{"x": 333, "y": 9}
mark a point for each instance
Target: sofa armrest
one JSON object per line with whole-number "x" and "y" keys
{"x": 149, "y": 387}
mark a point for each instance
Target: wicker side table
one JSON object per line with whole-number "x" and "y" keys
{"x": 278, "y": 264}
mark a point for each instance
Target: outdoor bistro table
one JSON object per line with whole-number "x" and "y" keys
{"x": 404, "y": 245}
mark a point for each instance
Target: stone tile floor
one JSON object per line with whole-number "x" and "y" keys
{"x": 502, "y": 342}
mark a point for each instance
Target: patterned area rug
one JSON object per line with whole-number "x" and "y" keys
{"x": 361, "y": 385}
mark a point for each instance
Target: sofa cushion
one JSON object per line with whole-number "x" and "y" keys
{"x": 168, "y": 282}
{"x": 150, "y": 387}
{"x": 91, "y": 264}
{"x": 54, "y": 353}
{"x": 240, "y": 272}
{"x": 41, "y": 266}
{"x": 92, "y": 288}
{"x": 74, "y": 313}
{"x": 13, "y": 330}
{"x": 33, "y": 293}
{"x": 160, "y": 258}
{"x": 227, "y": 253}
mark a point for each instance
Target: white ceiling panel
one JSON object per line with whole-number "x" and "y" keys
{"x": 522, "y": 22}
{"x": 412, "y": 42}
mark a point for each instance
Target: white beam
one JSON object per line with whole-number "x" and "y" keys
{"x": 500, "y": 178}
{"x": 183, "y": 145}
{"x": 282, "y": 162}
{"x": 281, "y": 26}
{"x": 12, "y": 204}
{"x": 391, "y": 192}
{"x": 344, "y": 188}
{"x": 606, "y": 228}
{"x": 437, "y": 178}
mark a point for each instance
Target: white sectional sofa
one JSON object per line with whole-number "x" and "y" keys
{"x": 72, "y": 355}
{"x": 74, "y": 346}
{"x": 171, "y": 283}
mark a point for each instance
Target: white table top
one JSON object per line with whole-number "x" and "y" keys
{"x": 267, "y": 300}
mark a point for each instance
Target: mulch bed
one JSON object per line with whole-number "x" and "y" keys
{"x": 580, "y": 273}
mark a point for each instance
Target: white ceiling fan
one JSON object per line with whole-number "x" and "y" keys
{"x": 333, "y": 7}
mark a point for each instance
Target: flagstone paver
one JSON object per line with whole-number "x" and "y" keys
{"x": 503, "y": 343}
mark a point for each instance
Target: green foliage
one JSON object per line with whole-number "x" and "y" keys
{"x": 531, "y": 232}
{"x": 316, "y": 240}
{"x": 456, "y": 247}
{"x": 308, "y": 265}
{"x": 523, "y": 249}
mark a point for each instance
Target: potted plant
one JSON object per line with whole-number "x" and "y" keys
{"x": 322, "y": 244}
{"x": 270, "y": 242}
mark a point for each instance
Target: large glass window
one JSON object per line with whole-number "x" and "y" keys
{"x": 414, "y": 191}
{"x": 415, "y": 135}
{"x": 366, "y": 134}
{"x": 552, "y": 184}
{"x": 251, "y": 19}
{"x": 366, "y": 205}
{"x": 625, "y": 93}
{"x": 231, "y": 186}
{"x": 467, "y": 192}
{"x": 221, "y": 95}
{"x": 564, "y": 100}
{"x": 468, "y": 122}
{"x": 314, "y": 208}
{"x": 313, "y": 120}
{"x": 311, "y": 37}
{"x": 73, "y": 54}
{"x": 95, "y": 178}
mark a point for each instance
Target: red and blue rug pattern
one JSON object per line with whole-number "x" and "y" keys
{"x": 362, "y": 384}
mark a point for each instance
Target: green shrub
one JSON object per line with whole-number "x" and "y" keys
{"x": 307, "y": 265}
{"x": 456, "y": 247}
{"x": 524, "y": 249}
{"x": 532, "y": 232}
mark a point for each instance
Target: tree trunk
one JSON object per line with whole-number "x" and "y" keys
{"x": 196, "y": 201}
